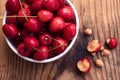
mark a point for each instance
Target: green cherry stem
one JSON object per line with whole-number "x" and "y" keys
{"x": 37, "y": 49}
{"x": 56, "y": 40}
{"x": 56, "y": 47}
{"x": 23, "y": 10}
{"x": 16, "y": 16}
{"x": 50, "y": 49}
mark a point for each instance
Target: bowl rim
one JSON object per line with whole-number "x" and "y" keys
{"x": 56, "y": 57}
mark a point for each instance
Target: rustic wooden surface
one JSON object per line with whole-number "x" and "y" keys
{"x": 103, "y": 16}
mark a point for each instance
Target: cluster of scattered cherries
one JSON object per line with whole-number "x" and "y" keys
{"x": 39, "y": 29}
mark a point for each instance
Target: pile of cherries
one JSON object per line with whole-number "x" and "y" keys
{"x": 39, "y": 29}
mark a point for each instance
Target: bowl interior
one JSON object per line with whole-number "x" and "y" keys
{"x": 56, "y": 57}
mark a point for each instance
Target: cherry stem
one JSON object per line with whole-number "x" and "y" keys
{"x": 50, "y": 49}
{"x": 37, "y": 49}
{"x": 56, "y": 47}
{"x": 45, "y": 0}
{"x": 56, "y": 40}
{"x": 17, "y": 16}
{"x": 23, "y": 10}
{"x": 46, "y": 39}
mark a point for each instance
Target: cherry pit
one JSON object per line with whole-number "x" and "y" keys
{"x": 39, "y": 29}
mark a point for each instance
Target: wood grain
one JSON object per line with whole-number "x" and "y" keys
{"x": 103, "y": 16}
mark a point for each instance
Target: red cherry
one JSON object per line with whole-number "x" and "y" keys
{"x": 12, "y": 5}
{"x": 45, "y": 15}
{"x": 59, "y": 45}
{"x": 62, "y": 2}
{"x": 42, "y": 53}
{"x": 45, "y": 39}
{"x": 57, "y": 25}
{"x": 43, "y": 30}
{"x": 113, "y": 43}
{"x": 67, "y": 23}
{"x": 25, "y": 6}
{"x": 30, "y": 43}
{"x": 17, "y": 40}
{"x": 29, "y": 1}
{"x": 69, "y": 31}
{"x": 22, "y": 51}
{"x": 32, "y": 25}
{"x": 11, "y": 20}
{"x": 24, "y": 33}
{"x": 36, "y": 5}
{"x": 51, "y": 5}
{"x": 10, "y": 30}
{"x": 51, "y": 54}
{"x": 66, "y": 12}
{"x": 21, "y": 13}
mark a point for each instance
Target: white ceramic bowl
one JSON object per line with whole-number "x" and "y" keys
{"x": 56, "y": 57}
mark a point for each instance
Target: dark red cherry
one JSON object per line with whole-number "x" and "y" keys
{"x": 57, "y": 25}
{"x": 21, "y": 13}
{"x": 11, "y": 20}
{"x": 59, "y": 45}
{"x": 13, "y": 5}
{"x": 62, "y": 2}
{"x": 21, "y": 49}
{"x": 36, "y": 5}
{"x": 45, "y": 15}
{"x": 24, "y": 33}
{"x": 30, "y": 43}
{"x": 51, "y": 5}
{"x": 42, "y": 53}
{"x": 69, "y": 31}
{"x": 66, "y": 12}
{"x": 29, "y": 1}
{"x": 25, "y": 5}
{"x": 45, "y": 39}
{"x": 10, "y": 31}
{"x": 32, "y": 25}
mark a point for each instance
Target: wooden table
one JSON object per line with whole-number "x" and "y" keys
{"x": 103, "y": 16}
